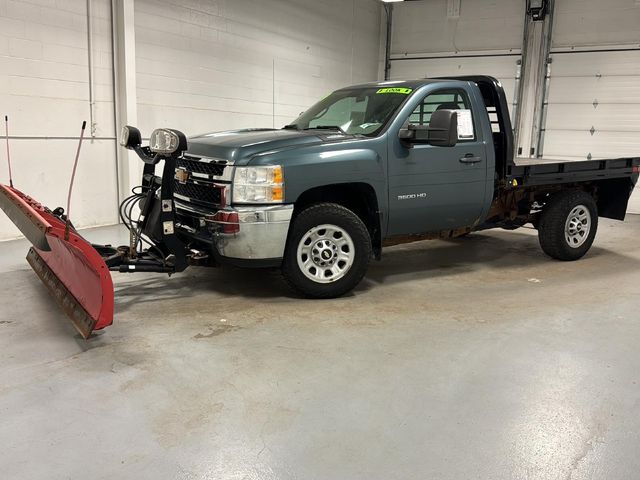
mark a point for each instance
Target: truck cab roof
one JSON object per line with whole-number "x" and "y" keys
{"x": 415, "y": 83}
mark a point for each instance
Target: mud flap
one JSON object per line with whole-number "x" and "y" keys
{"x": 73, "y": 271}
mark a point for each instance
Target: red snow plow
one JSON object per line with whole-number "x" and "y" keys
{"x": 76, "y": 272}
{"x": 68, "y": 265}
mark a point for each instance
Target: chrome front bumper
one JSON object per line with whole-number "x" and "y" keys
{"x": 262, "y": 233}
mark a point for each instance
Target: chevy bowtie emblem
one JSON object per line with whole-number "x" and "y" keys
{"x": 181, "y": 175}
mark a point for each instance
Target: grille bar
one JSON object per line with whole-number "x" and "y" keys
{"x": 194, "y": 165}
{"x": 205, "y": 194}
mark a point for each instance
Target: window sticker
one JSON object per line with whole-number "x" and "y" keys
{"x": 465, "y": 125}
{"x": 401, "y": 90}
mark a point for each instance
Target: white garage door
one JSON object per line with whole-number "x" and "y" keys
{"x": 503, "y": 67}
{"x": 594, "y": 89}
{"x": 594, "y": 107}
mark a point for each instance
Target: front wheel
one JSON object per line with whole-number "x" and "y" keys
{"x": 328, "y": 251}
{"x": 567, "y": 225}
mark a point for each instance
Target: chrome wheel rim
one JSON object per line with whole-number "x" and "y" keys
{"x": 577, "y": 226}
{"x": 325, "y": 253}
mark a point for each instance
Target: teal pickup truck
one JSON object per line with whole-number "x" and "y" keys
{"x": 378, "y": 164}
{"x": 368, "y": 166}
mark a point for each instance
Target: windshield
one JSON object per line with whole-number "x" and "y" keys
{"x": 363, "y": 111}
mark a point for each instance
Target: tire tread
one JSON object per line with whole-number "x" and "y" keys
{"x": 292, "y": 275}
{"x": 552, "y": 222}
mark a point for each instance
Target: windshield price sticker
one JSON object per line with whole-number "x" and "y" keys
{"x": 403, "y": 91}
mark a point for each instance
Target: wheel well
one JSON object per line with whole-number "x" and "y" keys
{"x": 360, "y": 198}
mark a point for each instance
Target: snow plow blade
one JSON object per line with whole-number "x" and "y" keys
{"x": 73, "y": 271}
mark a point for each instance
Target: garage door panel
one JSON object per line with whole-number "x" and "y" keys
{"x": 595, "y": 22}
{"x": 497, "y": 66}
{"x": 596, "y": 27}
{"x": 591, "y": 63}
{"x": 608, "y": 117}
{"x": 421, "y": 27}
{"x": 577, "y": 144}
{"x": 619, "y": 90}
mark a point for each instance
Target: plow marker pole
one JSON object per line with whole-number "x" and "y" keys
{"x": 73, "y": 176}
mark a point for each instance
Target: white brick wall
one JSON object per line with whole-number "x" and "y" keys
{"x": 44, "y": 89}
{"x": 214, "y": 65}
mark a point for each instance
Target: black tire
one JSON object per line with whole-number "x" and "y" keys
{"x": 554, "y": 219}
{"x": 535, "y": 221}
{"x": 310, "y": 219}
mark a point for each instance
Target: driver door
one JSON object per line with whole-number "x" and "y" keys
{"x": 433, "y": 188}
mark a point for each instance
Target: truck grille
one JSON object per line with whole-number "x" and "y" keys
{"x": 201, "y": 181}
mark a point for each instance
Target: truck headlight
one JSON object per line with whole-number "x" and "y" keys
{"x": 258, "y": 184}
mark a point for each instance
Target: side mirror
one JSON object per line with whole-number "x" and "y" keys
{"x": 443, "y": 128}
{"x": 413, "y": 133}
{"x": 130, "y": 137}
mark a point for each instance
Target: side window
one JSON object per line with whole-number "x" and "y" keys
{"x": 446, "y": 100}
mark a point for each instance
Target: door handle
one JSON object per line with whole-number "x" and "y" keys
{"x": 470, "y": 158}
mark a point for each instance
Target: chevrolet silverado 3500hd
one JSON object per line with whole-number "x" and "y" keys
{"x": 368, "y": 166}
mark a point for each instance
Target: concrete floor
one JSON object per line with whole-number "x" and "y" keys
{"x": 471, "y": 359}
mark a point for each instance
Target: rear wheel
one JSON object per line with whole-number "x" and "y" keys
{"x": 328, "y": 251}
{"x": 568, "y": 225}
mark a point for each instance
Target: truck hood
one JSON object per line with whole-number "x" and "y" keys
{"x": 239, "y": 146}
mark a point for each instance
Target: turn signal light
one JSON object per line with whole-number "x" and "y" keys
{"x": 278, "y": 177}
{"x": 277, "y": 194}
